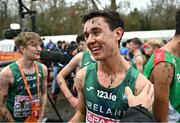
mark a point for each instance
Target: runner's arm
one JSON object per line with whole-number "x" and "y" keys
{"x": 141, "y": 82}
{"x": 140, "y": 105}
{"x": 80, "y": 113}
{"x": 44, "y": 92}
{"x": 139, "y": 63}
{"x": 6, "y": 78}
{"x": 161, "y": 76}
{"x": 145, "y": 98}
{"x": 62, "y": 82}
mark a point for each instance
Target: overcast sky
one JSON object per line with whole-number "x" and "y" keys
{"x": 140, "y": 4}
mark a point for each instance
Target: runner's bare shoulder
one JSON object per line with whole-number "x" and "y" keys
{"x": 6, "y": 75}
{"x": 80, "y": 77}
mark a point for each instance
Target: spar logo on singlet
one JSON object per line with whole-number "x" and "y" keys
{"x": 95, "y": 118}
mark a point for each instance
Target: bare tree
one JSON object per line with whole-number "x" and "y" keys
{"x": 113, "y": 5}
{"x": 162, "y": 12}
{"x": 4, "y": 3}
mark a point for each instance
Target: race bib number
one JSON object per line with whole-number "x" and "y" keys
{"x": 22, "y": 106}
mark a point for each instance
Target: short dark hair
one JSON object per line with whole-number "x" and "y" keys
{"x": 111, "y": 17}
{"x": 80, "y": 38}
{"x": 136, "y": 41}
{"x": 59, "y": 42}
{"x": 71, "y": 47}
{"x": 128, "y": 41}
{"x": 177, "y": 22}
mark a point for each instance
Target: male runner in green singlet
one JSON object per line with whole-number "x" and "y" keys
{"x": 138, "y": 60}
{"x": 79, "y": 61}
{"x": 101, "y": 86}
{"x": 81, "y": 43}
{"x": 163, "y": 69}
{"x": 23, "y": 84}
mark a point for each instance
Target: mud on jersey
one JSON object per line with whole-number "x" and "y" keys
{"x": 18, "y": 101}
{"x": 104, "y": 104}
{"x": 174, "y": 95}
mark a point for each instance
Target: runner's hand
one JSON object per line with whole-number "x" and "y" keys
{"x": 145, "y": 98}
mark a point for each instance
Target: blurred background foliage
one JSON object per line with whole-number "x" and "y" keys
{"x": 60, "y": 17}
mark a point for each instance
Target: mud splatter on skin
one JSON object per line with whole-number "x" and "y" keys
{"x": 112, "y": 50}
{"x": 78, "y": 84}
{"x": 94, "y": 21}
{"x": 170, "y": 71}
{"x": 178, "y": 43}
{"x": 60, "y": 83}
{"x": 167, "y": 69}
{"x": 110, "y": 77}
{"x": 103, "y": 39}
{"x": 6, "y": 116}
{"x": 175, "y": 51}
{"x": 136, "y": 91}
{"x": 116, "y": 53}
{"x": 97, "y": 22}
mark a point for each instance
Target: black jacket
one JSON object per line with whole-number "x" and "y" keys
{"x": 138, "y": 114}
{"x": 54, "y": 56}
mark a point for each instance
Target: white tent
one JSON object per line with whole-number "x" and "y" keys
{"x": 55, "y": 39}
{"x": 144, "y": 35}
{"x": 8, "y": 45}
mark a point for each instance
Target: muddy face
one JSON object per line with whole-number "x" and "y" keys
{"x": 100, "y": 39}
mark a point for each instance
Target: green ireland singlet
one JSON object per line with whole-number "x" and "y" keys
{"x": 86, "y": 59}
{"x": 104, "y": 104}
{"x": 174, "y": 94}
{"x": 18, "y": 101}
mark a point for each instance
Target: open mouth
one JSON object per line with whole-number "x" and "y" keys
{"x": 95, "y": 49}
{"x": 38, "y": 53}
